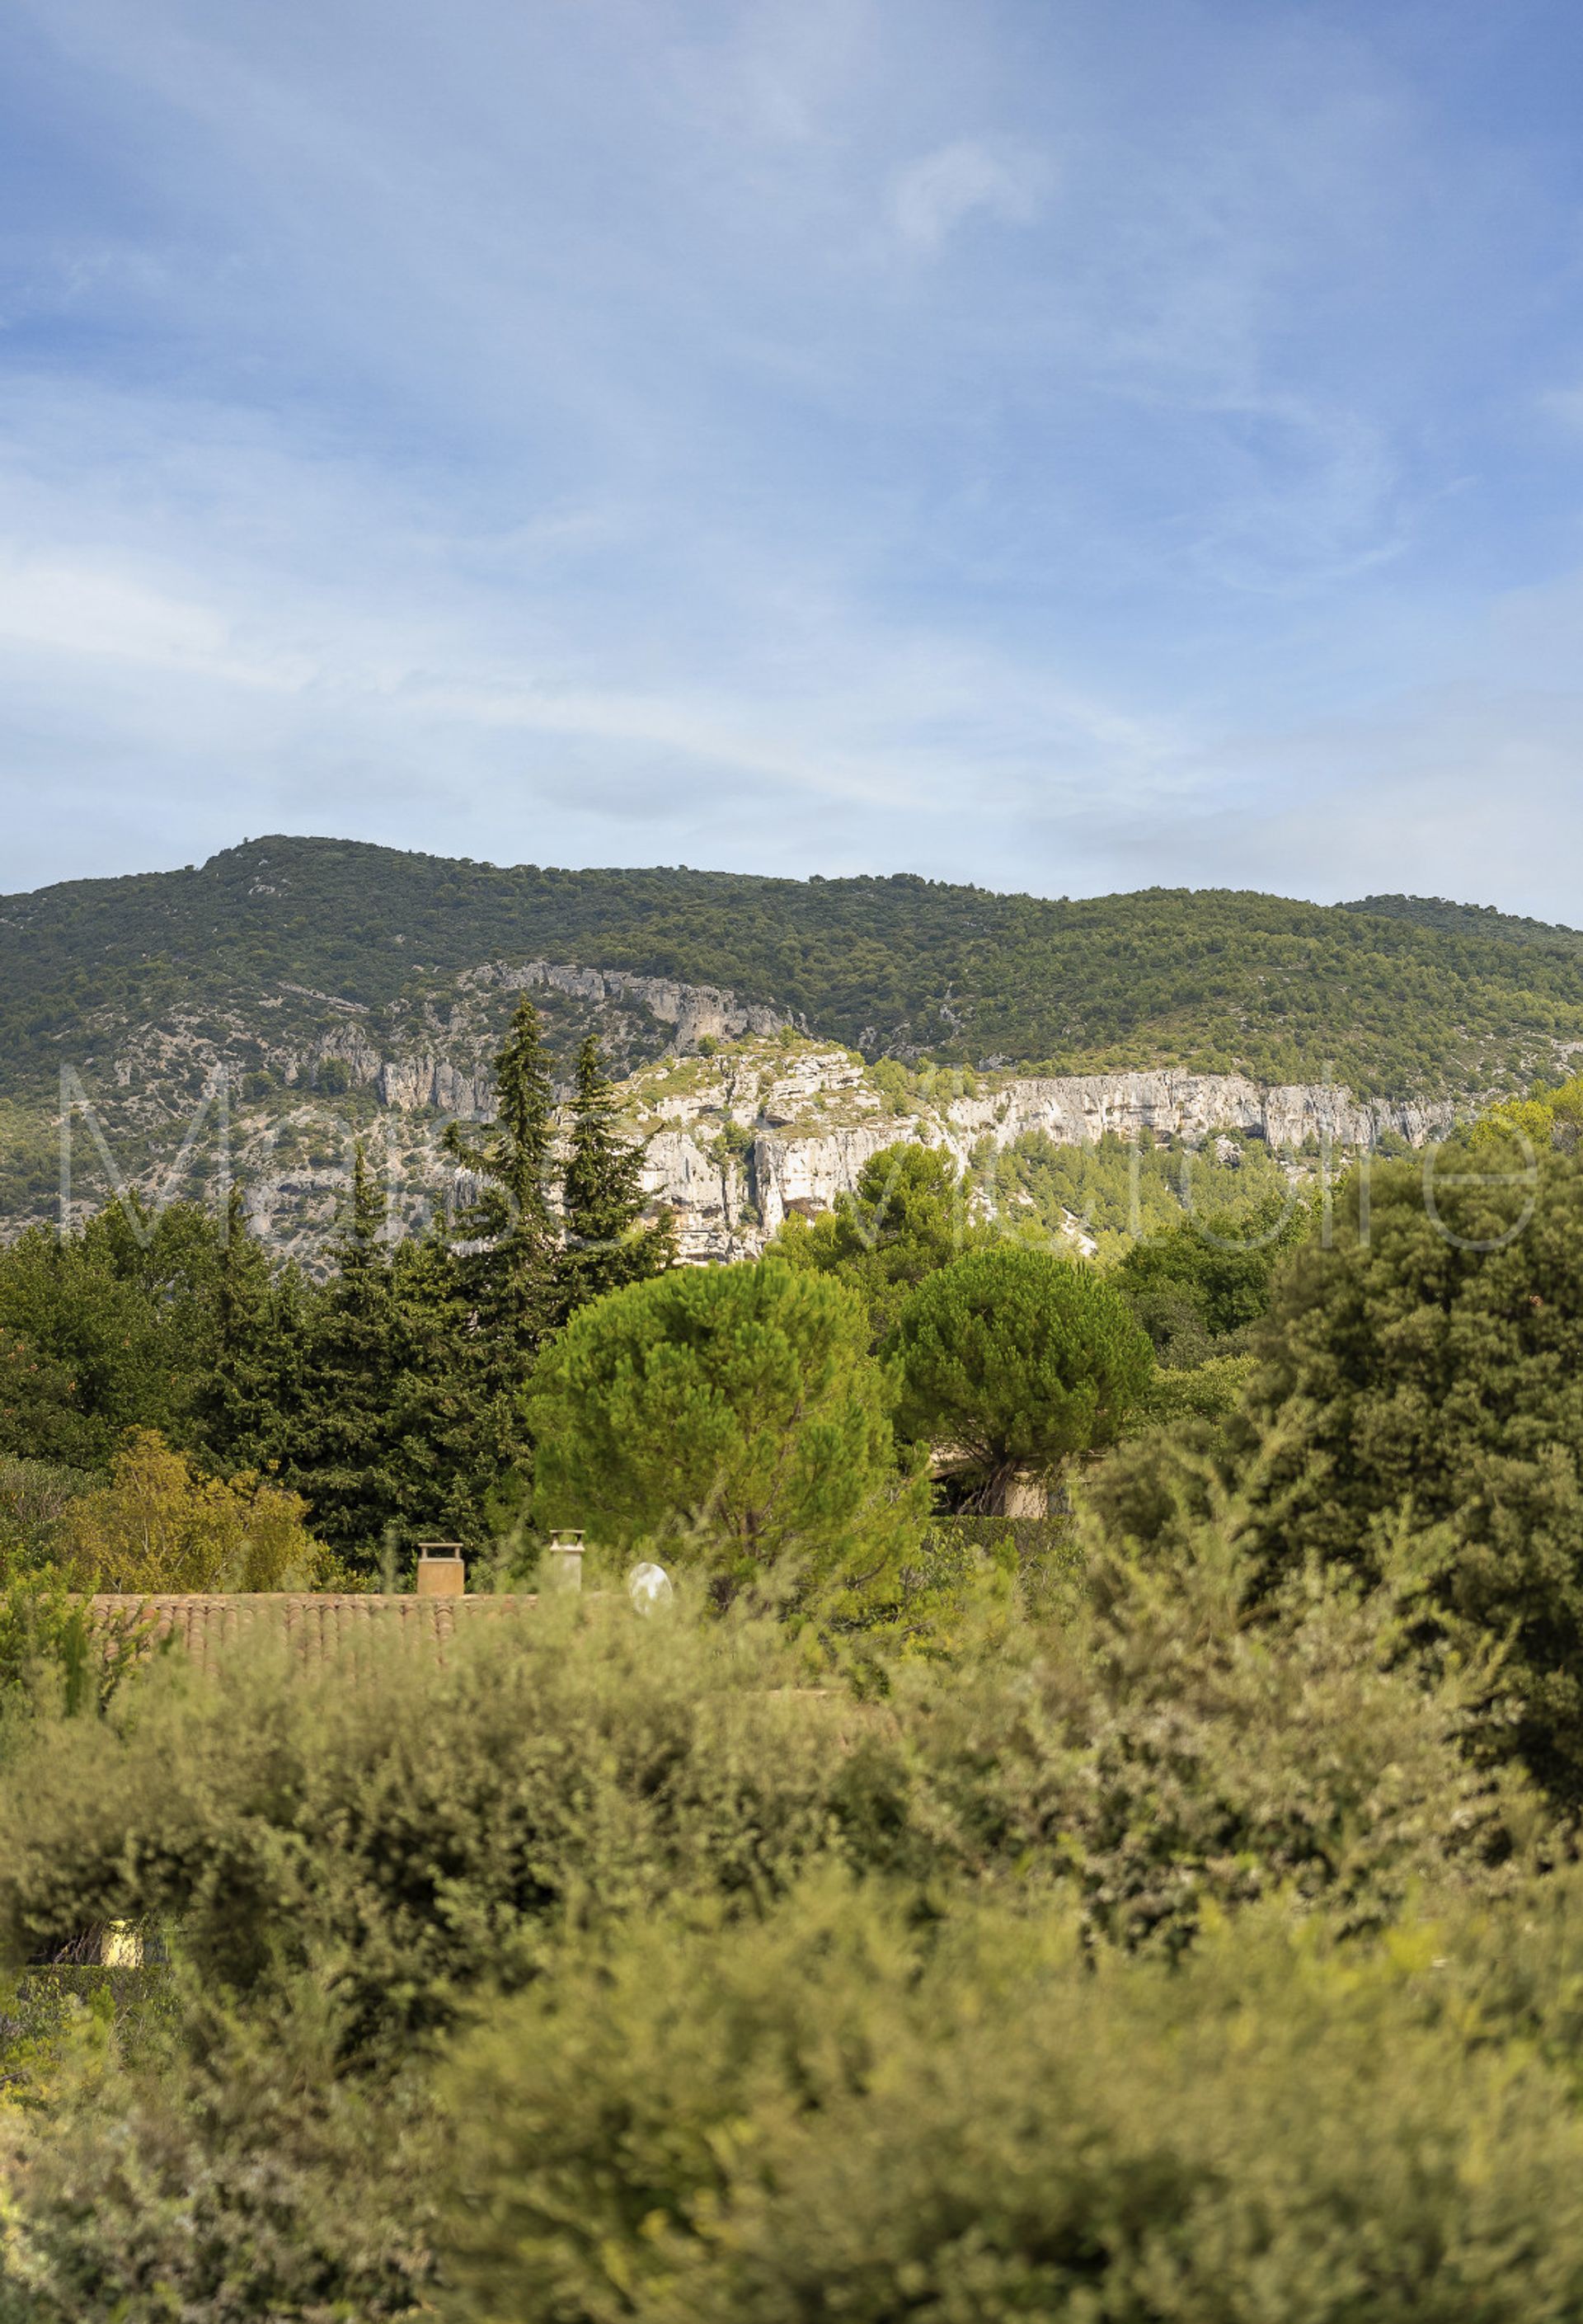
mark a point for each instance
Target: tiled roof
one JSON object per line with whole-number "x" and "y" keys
{"x": 318, "y": 1625}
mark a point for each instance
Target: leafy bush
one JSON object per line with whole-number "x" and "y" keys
{"x": 358, "y": 1866}
{"x": 1209, "y": 1390}
{"x": 1155, "y": 1753}
{"x": 845, "y": 2113}
{"x": 1043, "y": 1554}
{"x": 1417, "y": 1406}
{"x": 35, "y": 1496}
{"x": 53, "y": 1655}
{"x": 222, "y": 2171}
{"x": 158, "y": 1526}
{"x": 848, "y": 2107}
{"x": 1196, "y": 1288}
{"x": 419, "y": 1831}
{"x": 1548, "y": 1117}
{"x": 421, "y": 1828}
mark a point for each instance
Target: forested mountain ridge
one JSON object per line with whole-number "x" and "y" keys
{"x": 1466, "y": 919}
{"x": 1394, "y": 996}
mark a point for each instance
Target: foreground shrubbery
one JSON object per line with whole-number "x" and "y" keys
{"x": 1149, "y": 1754}
{"x": 845, "y": 2112}
{"x": 842, "y": 2105}
{"x": 579, "y": 1976}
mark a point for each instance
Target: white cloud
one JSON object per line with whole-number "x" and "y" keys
{"x": 1565, "y": 404}
{"x": 93, "y": 612}
{"x": 932, "y": 196}
{"x": 511, "y": 430}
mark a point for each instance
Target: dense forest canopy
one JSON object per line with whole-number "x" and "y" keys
{"x": 1397, "y": 995}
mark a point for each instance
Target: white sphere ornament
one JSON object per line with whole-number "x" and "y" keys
{"x": 649, "y": 1586}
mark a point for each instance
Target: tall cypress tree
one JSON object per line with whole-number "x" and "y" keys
{"x": 602, "y": 1192}
{"x": 506, "y": 1271}
{"x": 446, "y": 1461}
{"x": 337, "y": 1434}
{"x": 258, "y": 1333}
{"x": 385, "y": 1429}
{"x": 510, "y": 1225}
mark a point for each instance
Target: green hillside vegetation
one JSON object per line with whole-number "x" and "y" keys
{"x": 1398, "y": 997}
{"x": 1116, "y": 1192}
{"x": 1461, "y": 919}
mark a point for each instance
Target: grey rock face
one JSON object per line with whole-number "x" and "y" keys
{"x": 736, "y": 1140}
{"x": 815, "y": 1119}
{"x": 1077, "y": 1109}
{"x": 698, "y": 1011}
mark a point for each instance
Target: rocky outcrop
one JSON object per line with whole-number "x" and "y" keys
{"x": 770, "y": 1122}
{"x": 435, "y": 1081}
{"x": 812, "y": 1171}
{"x": 415, "y": 1084}
{"x": 814, "y": 1118}
{"x": 1077, "y": 1109}
{"x": 698, "y": 1012}
{"x": 708, "y": 1194}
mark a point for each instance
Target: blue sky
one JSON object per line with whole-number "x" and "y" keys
{"x": 1066, "y": 447}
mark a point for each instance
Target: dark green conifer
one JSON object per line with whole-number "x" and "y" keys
{"x": 506, "y": 1267}
{"x": 258, "y": 1330}
{"x": 509, "y": 1273}
{"x": 603, "y": 1190}
{"x": 338, "y": 1435}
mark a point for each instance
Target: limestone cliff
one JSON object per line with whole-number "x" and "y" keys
{"x": 291, "y": 1081}
{"x": 736, "y": 1140}
{"x": 745, "y": 1115}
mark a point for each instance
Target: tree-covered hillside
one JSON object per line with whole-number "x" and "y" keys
{"x": 1395, "y": 996}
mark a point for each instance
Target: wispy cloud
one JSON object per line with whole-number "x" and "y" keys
{"x": 933, "y": 195}
{"x": 1003, "y": 443}
{"x": 1564, "y": 404}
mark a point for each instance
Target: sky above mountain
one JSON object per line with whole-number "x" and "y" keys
{"x": 1067, "y": 447}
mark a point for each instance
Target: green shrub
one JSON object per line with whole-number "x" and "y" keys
{"x": 159, "y": 1526}
{"x": 1209, "y": 1390}
{"x": 420, "y": 1830}
{"x": 226, "y": 2174}
{"x": 54, "y": 1656}
{"x": 420, "y": 1827}
{"x": 845, "y": 2113}
{"x": 35, "y": 1496}
{"x": 1198, "y": 1286}
{"x": 578, "y": 1803}
{"x": 1417, "y": 1402}
{"x": 1160, "y": 1755}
